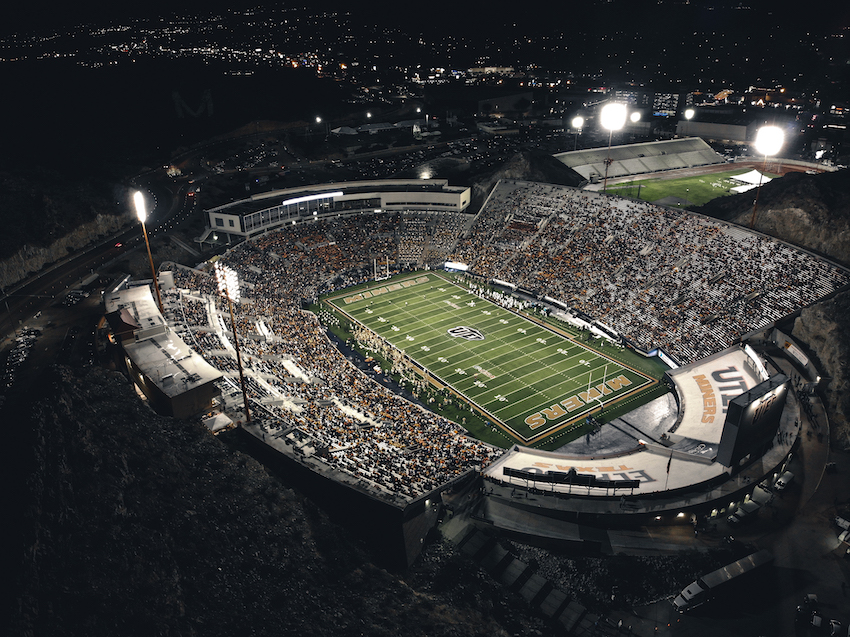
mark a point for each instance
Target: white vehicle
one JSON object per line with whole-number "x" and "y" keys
{"x": 842, "y": 523}
{"x": 783, "y": 481}
{"x": 705, "y": 588}
{"x": 744, "y": 513}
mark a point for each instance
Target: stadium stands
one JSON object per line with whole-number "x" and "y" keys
{"x": 660, "y": 277}
{"x": 637, "y": 159}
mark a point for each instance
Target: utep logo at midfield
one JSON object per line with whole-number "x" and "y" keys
{"x": 469, "y": 333}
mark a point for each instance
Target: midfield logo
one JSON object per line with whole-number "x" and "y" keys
{"x": 469, "y": 333}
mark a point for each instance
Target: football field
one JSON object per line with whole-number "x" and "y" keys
{"x": 530, "y": 381}
{"x": 695, "y": 190}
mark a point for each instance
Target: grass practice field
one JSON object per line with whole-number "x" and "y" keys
{"x": 528, "y": 380}
{"x": 695, "y": 190}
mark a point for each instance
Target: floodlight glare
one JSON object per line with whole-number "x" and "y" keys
{"x": 769, "y": 140}
{"x": 578, "y": 122}
{"x": 228, "y": 282}
{"x": 635, "y": 116}
{"x": 613, "y": 116}
{"x": 139, "y": 203}
{"x": 689, "y": 113}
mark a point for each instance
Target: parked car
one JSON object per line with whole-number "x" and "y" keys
{"x": 783, "y": 481}
{"x": 744, "y": 513}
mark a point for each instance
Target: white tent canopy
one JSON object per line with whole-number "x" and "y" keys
{"x": 751, "y": 178}
{"x": 217, "y": 422}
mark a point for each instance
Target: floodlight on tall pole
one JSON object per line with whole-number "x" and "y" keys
{"x": 769, "y": 140}
{"x": 613, "y": 117}
{"x": 228, "y": 287}
{"x": 142, "y": 214}
{"x": 577, "y": 124}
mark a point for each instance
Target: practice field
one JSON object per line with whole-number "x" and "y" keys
{"x": 695, "y": 190}
{"x": 529, "y": 380}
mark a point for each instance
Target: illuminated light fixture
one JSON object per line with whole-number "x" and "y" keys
{"x": 296, "y": 200}
{"x": 689, "y": 114}
{"x": 613, "y": 117}
{"x": 142, "y": 215}
{"x": 228, "y": 288}
{"x": 577, "y": 124}
{"x": 634, "y": 117}
{"x": 455, "y": 265}
{"x": 769, "y": 140}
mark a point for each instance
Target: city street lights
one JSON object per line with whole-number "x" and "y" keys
{"x": 613, "y": 117}
{"x": 769, "y": 140}
{"x": 577, "y": 124}
{"x": 228, "y": 287}
{"x": 142, "y": 214}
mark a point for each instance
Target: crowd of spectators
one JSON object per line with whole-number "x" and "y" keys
{"x": 660, "y": 277}
{"x": 307, "y": 391}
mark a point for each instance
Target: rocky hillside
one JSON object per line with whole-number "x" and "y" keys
{"x": 46, "y": 216}
{"x": 128, "y": 523}
{"x": 825, "y": 329}
{"x": 813, "y": 212}
{"x": 526, "y": 165}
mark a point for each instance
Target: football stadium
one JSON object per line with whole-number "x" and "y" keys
{"x": 579, "y": 360}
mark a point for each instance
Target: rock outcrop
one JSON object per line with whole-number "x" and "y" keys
{"x": 128, "y": 523}
{"x": 810, "y": 211}
{"x": 824, "y": 329}
{"x": 47, "y": 215}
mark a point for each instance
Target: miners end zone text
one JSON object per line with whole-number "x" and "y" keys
{"x": 544, "y": 418}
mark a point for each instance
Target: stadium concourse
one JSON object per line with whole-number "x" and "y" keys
{"x": 663, "y": 280}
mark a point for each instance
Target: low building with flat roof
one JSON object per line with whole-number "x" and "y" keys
{"x": 176, "y": 380}
{"x": 266, "y": 211}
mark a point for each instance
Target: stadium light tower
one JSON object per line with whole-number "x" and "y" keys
{"x": 142, "y": 215}
{"x": 228, "y": 287}
{"x": 769, "y": 140}
{"x": 613, "y": 118}
{"x": 577, "y": 124}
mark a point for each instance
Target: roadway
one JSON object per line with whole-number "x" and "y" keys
{"x": 169, "y": 206}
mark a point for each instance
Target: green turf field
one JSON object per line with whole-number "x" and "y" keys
{"x": 696, "y": 190}
{"x": 528, "y": 380}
